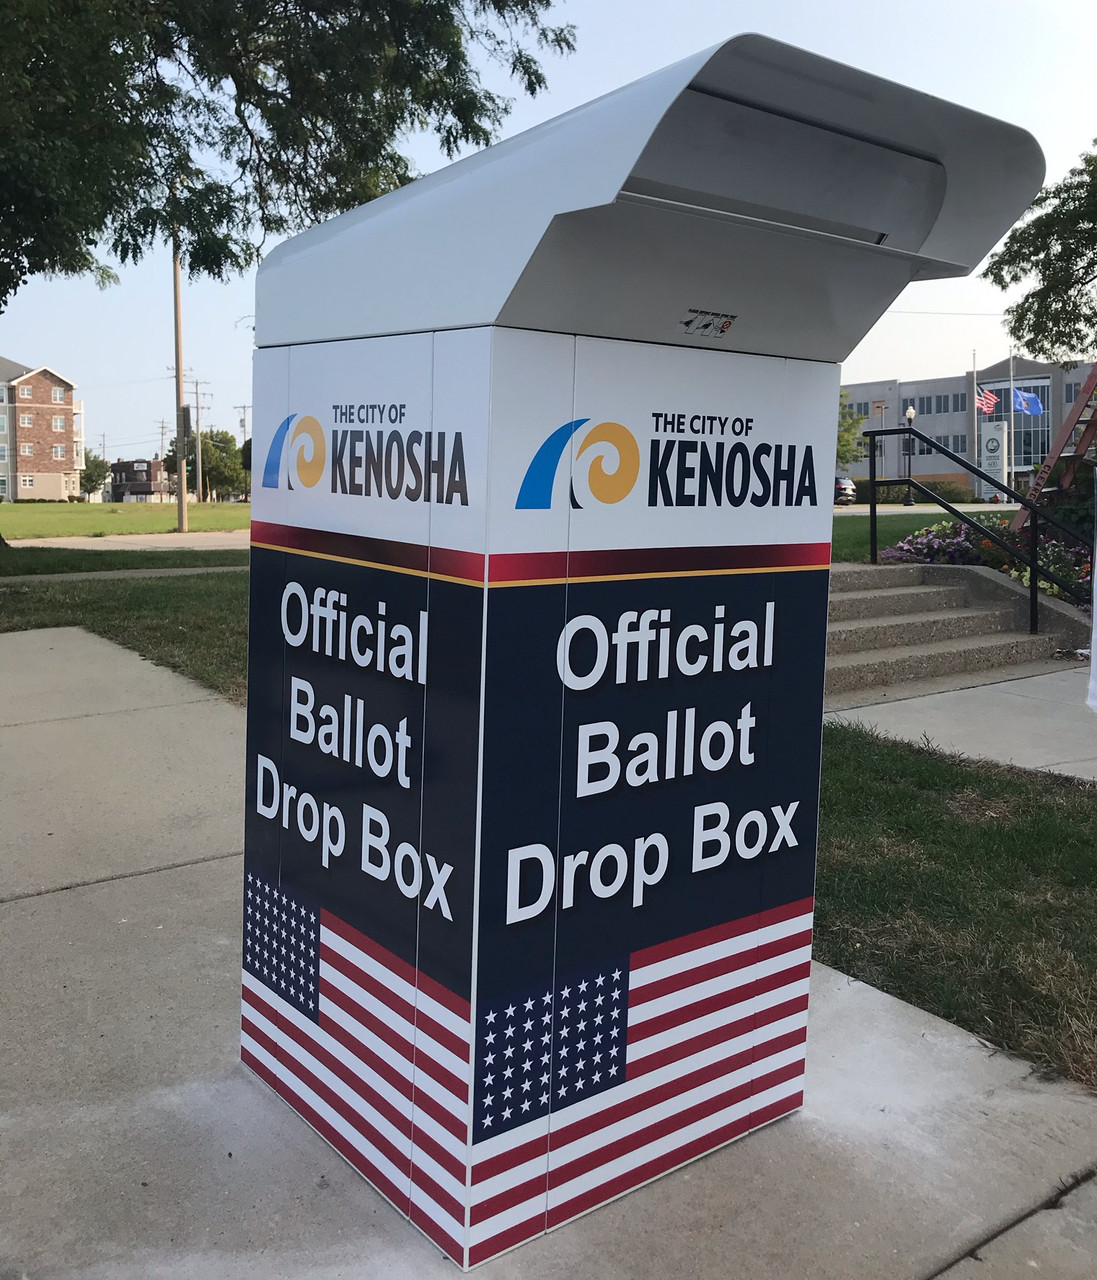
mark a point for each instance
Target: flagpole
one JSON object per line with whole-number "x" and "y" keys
{"x": 980, "y": 487}
{"x": 1009, "y": 450}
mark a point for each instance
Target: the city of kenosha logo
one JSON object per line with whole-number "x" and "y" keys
{"x": 607, "y": 443}
{"x": 300, "y": 456}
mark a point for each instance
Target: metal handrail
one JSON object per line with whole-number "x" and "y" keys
{"x": 1035, "y": 516}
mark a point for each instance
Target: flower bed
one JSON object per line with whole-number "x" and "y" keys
{"x": 950, "y": 542}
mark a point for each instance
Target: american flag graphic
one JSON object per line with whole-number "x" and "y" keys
{"x": 986, "y": 400}
{"x": 379, "y": 1066}
{"x": 560, "y": 1098}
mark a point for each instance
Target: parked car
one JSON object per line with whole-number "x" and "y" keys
{"x": 845, "y": 491}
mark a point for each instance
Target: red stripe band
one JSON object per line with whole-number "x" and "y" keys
{"x": 688, "y": 978}
{"x": 671, "y": 1160}
{"x": 385, "y": 995}
{"x": 399, "y": 968}
{"x": 405, "y": 1049}
{"x": 638, "y": 562}
{"x": 720, "y": 933}
{"x": 716, "y": 1003}
{"x": 718, "y": 1035}
{"x": 538, "y": 566}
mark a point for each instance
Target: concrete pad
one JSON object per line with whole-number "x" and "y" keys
{"x": 133, "y": 1145}
{"x": 1039, "y": 723}
{"x": 121, "y": 1098}
{"x": 110, "y": 764}
{"x": 63, "y": 673}
{"x": 1059, "y": 1242}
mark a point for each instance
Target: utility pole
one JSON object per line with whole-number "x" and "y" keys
{"x": 163, "y": 428}
{"x": 180, "y": 442}
{"x": 198, "y": 439}
{"x": 244, "y": 428}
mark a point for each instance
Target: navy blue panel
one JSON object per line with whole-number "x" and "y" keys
{"x": 388, "y": 711}
{"x": 524, "y": 714}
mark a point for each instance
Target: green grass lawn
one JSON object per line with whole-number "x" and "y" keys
{"x": 16, "y": 561}
{"x": 967, "y": 889}
{"x": 93, "y": 519}
{"x": 194, "y": 625}
{"x": 850, "y": 538}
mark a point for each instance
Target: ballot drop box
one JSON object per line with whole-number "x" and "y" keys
{"x": 542, "y": 474}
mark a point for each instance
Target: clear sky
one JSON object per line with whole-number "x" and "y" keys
{"x": 1022, "y": 60}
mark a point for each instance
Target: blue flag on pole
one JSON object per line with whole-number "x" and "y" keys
{"x": 1026, "y": 402}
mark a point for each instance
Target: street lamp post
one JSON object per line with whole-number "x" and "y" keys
{"x": 912, "y": 413}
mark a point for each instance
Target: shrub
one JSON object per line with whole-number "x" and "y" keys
{"x": 891, "y": 495}
{"x": 951, "y": 491}
{"x": 950, "y": 542}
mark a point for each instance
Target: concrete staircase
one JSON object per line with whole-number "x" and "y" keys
{"x": 896, "y": 631}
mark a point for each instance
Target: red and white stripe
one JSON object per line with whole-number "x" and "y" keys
{"x": 717, "y": 1024}
{"x": 384, "y": 1077}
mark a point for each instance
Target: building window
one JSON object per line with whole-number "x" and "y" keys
{"x": 58, "y": 450}
{"x": 58, "y": 395}
{"x": 959, "y": 402}
{"x": 959, "y": 444}
{"x": 941, "y": 403}
{"x": 925, "y": 405}
{"x": 26, "y": 482}
{"x": 3, "y": 453}
{"x": 26, "y": 419}
{"x": 942, "y": 441}
{"x": 3, "y": 421}
{"x": 26, "y": 450}
{"x": 59, "y": 423}
{"x": 1072, "y": 391}
{"x": 924, "y": 448}
{"x": 861, "y": 408}
{"x": 25, "y": 393}
{"x": 3, "y": 486}
{"x": 907, "y": 403}
{"x": 3, "y": 395}
{"x": 908, "y": 441}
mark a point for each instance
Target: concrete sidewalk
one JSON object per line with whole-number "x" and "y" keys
{"x": 1037, "y": 723}
{"x": 201, "y": 540}
{"x": 134, "y": 1145}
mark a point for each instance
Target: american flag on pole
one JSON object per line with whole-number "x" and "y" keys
{"x": 567, "y": 1095}
{"x": 986, "y": 400}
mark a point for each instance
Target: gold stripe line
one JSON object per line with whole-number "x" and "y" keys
{"x": 545, "y": 582}
{"x": 371, "y": 564}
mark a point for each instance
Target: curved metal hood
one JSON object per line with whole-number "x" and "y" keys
{"x": 791, "y": 195}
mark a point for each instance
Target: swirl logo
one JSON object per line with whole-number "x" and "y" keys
{"x": 304, "y": 453}
{"x": 608, "y": 442}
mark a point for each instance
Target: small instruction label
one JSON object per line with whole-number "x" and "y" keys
{"x": 706, "y": 324}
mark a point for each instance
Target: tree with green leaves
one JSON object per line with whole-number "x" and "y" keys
{"x": 851, "y": 444}
{"x": 95, "y": 474}
{"x": 222, "y": 469}
{"x": 1054, "y": 250}
{"x": 217, "y": 123}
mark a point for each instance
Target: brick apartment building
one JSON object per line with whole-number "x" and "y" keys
{"x": 139, "y": 480}
{"x": 41, "y": 433}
